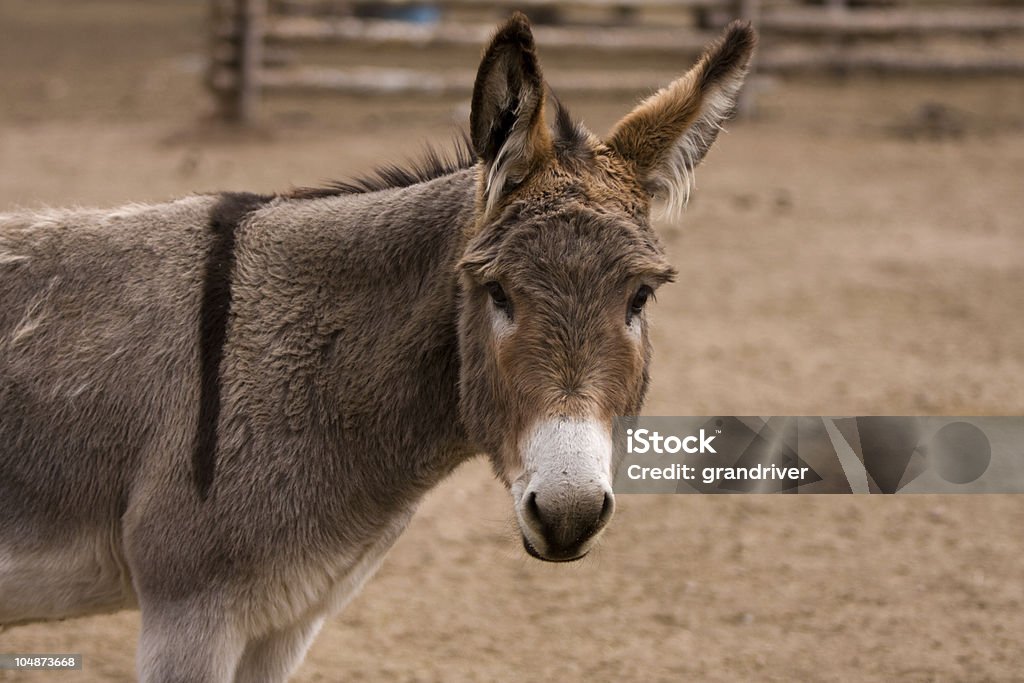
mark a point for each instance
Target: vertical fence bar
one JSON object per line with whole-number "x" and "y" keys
{"x": 219, "y": 77}
{"x": 236, "y": 57}
{"x": 251, "y": 25}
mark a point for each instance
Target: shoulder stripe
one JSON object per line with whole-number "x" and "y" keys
{"x": 215, "y": 308}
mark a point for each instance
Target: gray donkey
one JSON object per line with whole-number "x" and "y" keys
{"x": 224, "y": 409}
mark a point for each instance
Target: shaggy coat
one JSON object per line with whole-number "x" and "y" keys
{"x": 224, "y": 409}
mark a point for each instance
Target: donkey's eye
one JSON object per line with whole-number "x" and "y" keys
{"x": 498, "y": 297}
{"x": 636, "y": 306}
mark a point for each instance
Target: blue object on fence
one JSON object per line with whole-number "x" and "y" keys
{"x": 416, "y": 14}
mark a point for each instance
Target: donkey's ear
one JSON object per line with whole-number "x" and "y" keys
{"x": 507, "y": 116}
{"x": 669, "y": 133}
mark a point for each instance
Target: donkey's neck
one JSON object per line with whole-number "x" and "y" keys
{"x": 361, "y": 292}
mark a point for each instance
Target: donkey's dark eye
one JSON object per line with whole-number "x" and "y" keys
{"x": 498, "y": 297}
{"x": 636, "y": 306}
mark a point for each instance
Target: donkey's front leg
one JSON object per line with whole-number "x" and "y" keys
{"x": 274, "y": 657}
{"x": 188, "y": 642}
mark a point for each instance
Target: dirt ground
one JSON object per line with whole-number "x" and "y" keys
{"x": 858, "y": 248}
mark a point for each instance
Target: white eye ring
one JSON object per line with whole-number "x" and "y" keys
{"x": 501, "y": 322}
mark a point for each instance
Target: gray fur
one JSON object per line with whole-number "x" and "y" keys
{"x": 99, "y": 389}
{"x": 224, "y": 409}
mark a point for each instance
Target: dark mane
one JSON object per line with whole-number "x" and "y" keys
{"x": 570, "y": 140}
{"x": 432, "y": 164}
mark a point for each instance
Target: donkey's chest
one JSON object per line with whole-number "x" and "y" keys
{"x": 354, "y": 575}
{"x": 320, "y": 586}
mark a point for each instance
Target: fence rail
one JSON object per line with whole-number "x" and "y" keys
{"x": 258, "y": 44}
{"x": 352, "y": 30}
{"x": 893, "y": 22}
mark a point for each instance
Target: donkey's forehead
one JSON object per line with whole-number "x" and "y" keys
{"x": 586, "y": 172}
{"x": 575, "y": 242}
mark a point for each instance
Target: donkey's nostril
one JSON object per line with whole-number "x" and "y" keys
{"x": 606, "y": 509}
{"x": 535, "y": 517}
{"x": 532, "y": 509}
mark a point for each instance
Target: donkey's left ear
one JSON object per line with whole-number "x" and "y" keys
{"x": 507, "y": 115}
{"x": 669, "y": 133}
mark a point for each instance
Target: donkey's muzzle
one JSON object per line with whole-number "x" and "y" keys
{"x": 564, "y": 521}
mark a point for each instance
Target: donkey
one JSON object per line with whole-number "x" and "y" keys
{"x": 224, "y": 409}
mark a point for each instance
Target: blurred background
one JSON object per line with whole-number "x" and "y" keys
{"x": 855, "y": 247}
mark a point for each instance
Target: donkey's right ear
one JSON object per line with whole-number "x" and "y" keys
{"x": 507, "y": 116}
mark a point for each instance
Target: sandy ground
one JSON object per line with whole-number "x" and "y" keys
{"x": 842, "y": 255}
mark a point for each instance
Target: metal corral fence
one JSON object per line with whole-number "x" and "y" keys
{"x": 258, "y": 45}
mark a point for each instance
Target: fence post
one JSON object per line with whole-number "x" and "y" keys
{"x": 250, "y": 53}
{"x": 238, "y": 30}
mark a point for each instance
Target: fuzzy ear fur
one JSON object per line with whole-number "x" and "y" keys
{"x": 669, "y": 133}
{"x": 507, "y": 115}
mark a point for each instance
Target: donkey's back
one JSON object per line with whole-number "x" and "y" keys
{"x": 98, "y": 315}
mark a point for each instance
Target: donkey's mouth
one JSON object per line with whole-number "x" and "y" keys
{"x": 532, "y": 552}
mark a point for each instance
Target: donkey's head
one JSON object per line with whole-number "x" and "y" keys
{"x": 559, "y": 267}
